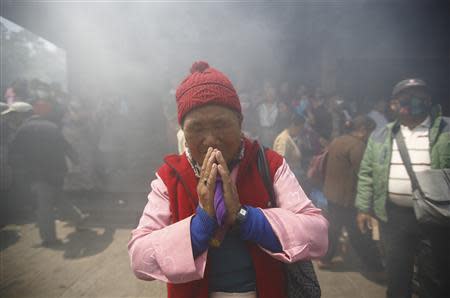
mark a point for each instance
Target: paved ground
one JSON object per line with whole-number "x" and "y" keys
{"x": 94, "y": 262}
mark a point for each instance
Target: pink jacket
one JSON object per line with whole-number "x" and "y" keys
{"x": 161, "y": 250}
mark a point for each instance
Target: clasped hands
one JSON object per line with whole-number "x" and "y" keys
{"x": 214, "y": 164}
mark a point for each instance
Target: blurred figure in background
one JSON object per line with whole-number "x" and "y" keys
{"x": 267, "y": 115}
{"x": 286, "y": 146}
{"x": 378, "y": 114}
{"x": 13, "y": 187}
{"x": 18, "y": 91}
{"x": 284, "y": 117}
{"x": 250, "y": 124}
{"x": 301, "y": 103}
{"x": 303, "y": 107}
{"x": 340, "y": 116}
{"x": 320, "y": 119}
{"x": 79, "y": 131}
{"x": 38, "y": 148}
{"x": 285, "y": 94}
{"x": 344, "y": 156}
{"x": 12, "y": 117}
{"x": 9, "y": 96}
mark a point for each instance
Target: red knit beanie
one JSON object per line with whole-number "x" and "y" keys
{"x": 205, "y": 85}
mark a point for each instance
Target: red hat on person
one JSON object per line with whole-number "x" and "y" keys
{"x": 205, "y": 85}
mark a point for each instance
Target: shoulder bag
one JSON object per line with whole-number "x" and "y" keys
{"x": 430, "y": 190}
{"x": 301, "y": 278}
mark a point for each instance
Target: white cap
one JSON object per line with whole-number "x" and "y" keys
{"x": 18, "y": 107}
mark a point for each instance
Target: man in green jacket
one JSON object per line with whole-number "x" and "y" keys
{"x": 384, "y": 191}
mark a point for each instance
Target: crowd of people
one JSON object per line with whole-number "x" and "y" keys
{"x": 360, "y": 189}
{"x": 35, "y": 156}
{"x": 51, "y": 143}
{"x": 330, "y": 158}
{"x": 323, "y": 141}
{"x": 340, "y": 154}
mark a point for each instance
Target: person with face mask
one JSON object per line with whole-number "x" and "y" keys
{"x": 385, "y": 191}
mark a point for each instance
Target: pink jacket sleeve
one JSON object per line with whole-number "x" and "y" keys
{"x": 299, "y": 225}
{"x": 162, "y": 250}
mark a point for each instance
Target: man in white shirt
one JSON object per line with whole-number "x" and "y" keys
{"x": 384, "y": 190}
{"x": 417, "y": 142}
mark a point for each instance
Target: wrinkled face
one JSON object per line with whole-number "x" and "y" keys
{"x": 212, "y": 126}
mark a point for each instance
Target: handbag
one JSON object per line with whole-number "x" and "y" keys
{"x": 301, "y": 278}
{"x": 430, "y": 190}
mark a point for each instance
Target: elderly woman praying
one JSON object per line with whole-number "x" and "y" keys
{"x": 208, "y": 229}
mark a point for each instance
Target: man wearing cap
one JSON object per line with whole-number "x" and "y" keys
{"x": 384, "y": 190}
{"x": 207, "y": 229}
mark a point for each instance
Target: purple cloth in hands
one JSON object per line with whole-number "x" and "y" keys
{"x": 219, "y": 202}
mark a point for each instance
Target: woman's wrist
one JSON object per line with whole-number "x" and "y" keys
{"x": 208, "y": 210}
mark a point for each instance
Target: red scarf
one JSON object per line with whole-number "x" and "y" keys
{"x": 181, "y": 183}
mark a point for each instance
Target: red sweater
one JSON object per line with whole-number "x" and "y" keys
{"x": 181, "y": 183}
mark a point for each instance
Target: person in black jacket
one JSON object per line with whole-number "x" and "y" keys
{"x": 38, "y": 148}
{"x": 12, "y": 189}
